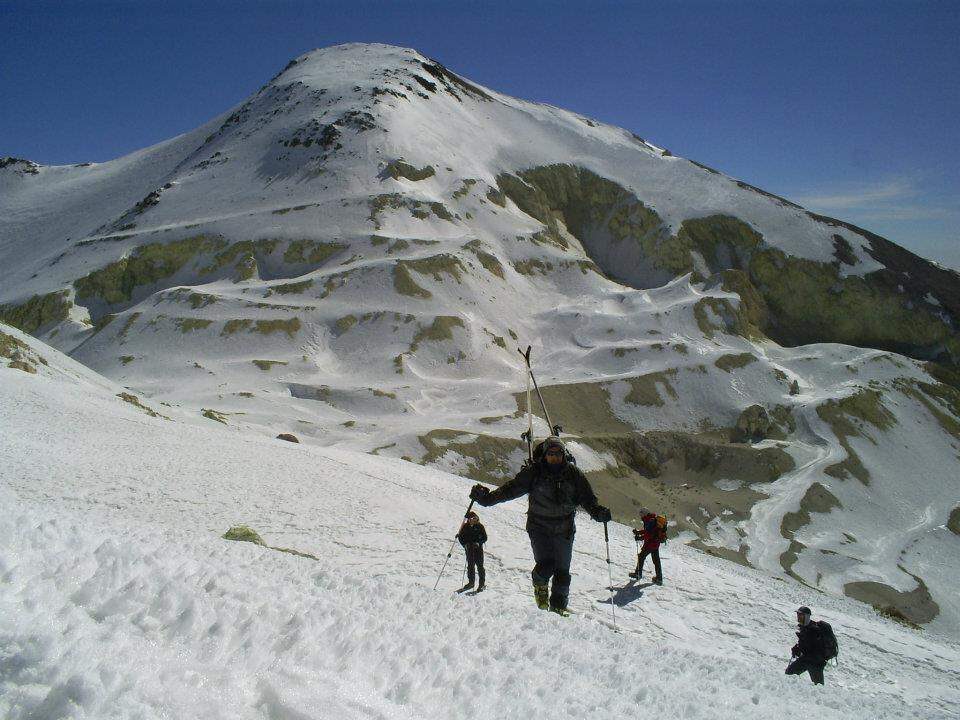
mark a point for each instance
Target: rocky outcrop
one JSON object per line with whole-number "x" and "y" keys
{"x": 753, "y": 425}
{"x": 911, "y": 306}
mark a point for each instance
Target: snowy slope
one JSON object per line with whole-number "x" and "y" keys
{"x": 278, "y": 271}
{"x": 120, "y": 599}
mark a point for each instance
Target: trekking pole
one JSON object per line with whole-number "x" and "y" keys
{"x": 450, "y": 552}
{"x": 606, "y": 540}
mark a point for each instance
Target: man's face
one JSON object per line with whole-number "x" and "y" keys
{"x": 802, "y": 618}
{"x": 473, "y": 520}
{"x": 554, "y": 456}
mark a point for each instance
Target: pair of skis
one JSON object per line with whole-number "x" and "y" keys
{"x": 528, "y": 434}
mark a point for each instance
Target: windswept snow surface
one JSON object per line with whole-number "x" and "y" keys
{"x": 119, "y": 599}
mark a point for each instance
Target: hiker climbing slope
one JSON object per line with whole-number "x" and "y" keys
{"x": 472, "y": 536}
{"x": 555, "y": 487}
{"x": 652, "y": 534}
{"x": 816, "y": 644}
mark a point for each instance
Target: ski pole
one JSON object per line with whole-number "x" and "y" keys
{"x": 450, "y": 552}
{"x": 529, "y": 433}
{"x": 606, "y": 540}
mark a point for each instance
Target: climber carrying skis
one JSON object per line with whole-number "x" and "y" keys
{"x": 472, "y": 536}
{"x": 555, "y": 487}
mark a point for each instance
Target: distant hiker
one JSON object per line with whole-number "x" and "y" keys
{"x": 556, "y": 487}
{"x": 653, "y": 532}
{"x": 472, "y": 536}
{"x": 816, "y": 644}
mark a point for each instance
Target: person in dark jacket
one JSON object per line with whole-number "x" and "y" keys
{"x": 472, "y": 536}
{"x": 815, "y": 645}
{"x": 651, "y": 536}
{"x": 555, "y": 488}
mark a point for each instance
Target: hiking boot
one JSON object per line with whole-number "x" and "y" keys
{"x": 635, "y": 575}
{"x": 466, "y": 587}
{"x": 561, "y": 611}
{"x": 540, "y": 595}
{"x": 480, "y": 587}
{"x": 658, "y": 581}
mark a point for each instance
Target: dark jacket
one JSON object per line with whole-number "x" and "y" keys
{"x": 553, "y": 496}
{"x": 811, "y": 642}
{"x": 472, "y": 534}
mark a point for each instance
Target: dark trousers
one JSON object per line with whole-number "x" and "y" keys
{"x": 474, "y": 562}
{"x": 552, "y": 555}
{"x": 642, "y": 557}
{"x": 801, "y": 665}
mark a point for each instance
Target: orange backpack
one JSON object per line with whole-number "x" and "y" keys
{"x": 662, "y": 528}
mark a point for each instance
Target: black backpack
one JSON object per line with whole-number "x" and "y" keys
{"x": 830, "y": 646}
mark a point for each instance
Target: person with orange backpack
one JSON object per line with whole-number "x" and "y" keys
{"x": 653, "y": 532}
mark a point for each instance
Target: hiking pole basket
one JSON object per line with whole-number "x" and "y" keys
{"x": 450, "y": 551}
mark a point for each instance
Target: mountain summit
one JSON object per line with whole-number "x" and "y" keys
{"x": 354, "y": 253}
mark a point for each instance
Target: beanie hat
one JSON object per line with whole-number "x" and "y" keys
{"x": 553, "y": 442}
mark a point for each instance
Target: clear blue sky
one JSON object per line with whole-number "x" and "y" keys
{"x": 851, "y": 108}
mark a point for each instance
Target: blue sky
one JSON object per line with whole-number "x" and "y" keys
{"x": 850, "y": 108}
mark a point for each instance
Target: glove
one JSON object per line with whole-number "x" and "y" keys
{"x": 600, "y": 514}
{"x": 479, "y": 493}
{"x": 637, "y": 534}
{"x": 794, "y": 651}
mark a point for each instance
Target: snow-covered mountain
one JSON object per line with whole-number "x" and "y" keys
{"x": 354, "y": 253}
{"x": 120, "y": 599}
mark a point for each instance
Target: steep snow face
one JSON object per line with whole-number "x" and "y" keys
{"x": 354, "y": 253}
{"x": 120, "y": 599}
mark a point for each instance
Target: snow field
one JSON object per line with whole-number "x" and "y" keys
{"x": 119, "y": 599}
{"x": 154, "y": 623}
